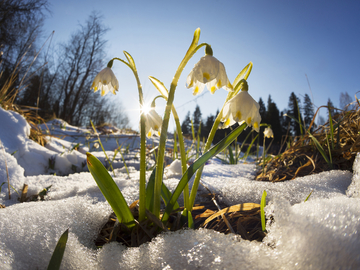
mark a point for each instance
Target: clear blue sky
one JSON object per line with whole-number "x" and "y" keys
{"x": 284, "y": 39}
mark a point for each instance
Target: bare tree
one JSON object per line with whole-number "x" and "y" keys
{"x": 82, "y": 59}
{"x": 20, "y": 26}
{"x": 64, "y": 84}
{"x": 345, "y": 101}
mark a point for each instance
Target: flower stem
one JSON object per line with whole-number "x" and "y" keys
{"x": 161, "y": 152}
{"x": 211, "y": 136}
{"x": 182, "y": 155}
{"x": 142, "y": 185}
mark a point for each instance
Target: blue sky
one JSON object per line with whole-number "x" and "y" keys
{"x": 284, "y": 39}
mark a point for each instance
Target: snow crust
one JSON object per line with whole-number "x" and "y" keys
{"x": 322, "y": 233}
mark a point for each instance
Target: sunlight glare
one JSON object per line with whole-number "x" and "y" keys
{"x": 146, "y": 108}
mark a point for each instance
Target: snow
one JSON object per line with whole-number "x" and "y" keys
{"x": 322, "y": 233}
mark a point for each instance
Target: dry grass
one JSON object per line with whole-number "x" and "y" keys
{"x": 303, "y": 158}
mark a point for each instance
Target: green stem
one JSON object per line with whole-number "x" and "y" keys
{"x": 263, "y": 163}
{"x": 182, "y": 155}
{"x": 161, "y": 151}
{"x": 142, "y": 184}
{"x": 209, "y": 142}
{"x": 199, "y": 172}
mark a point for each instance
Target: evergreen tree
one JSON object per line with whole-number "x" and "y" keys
{"x": 331, "y": 108}
{"x": 294, "y": 110}
{"x": 206, "y": 128}
{"x": 262, "y": 109}
{"x": 308, "y": 110}
{"x": 273, "y": 119}
{"x": 197, "y": 118}
{"x": 186, "y": 124}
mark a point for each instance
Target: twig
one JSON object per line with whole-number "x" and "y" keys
{"x": 219, "y": 208}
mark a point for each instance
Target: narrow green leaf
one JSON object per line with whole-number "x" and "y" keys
{"x": 262, "y": 210}
{"x": 110, "y": 191}
{"x": 131, "y": 60}
{"x": 58, "y": 253}
{"x": 165, "y": 193}
{"x": 249, "y": 147}
{"x": 186, "y": 217}
{"x": 231, "y": 155}
{"x": 331, "y": 129}
{"x": 160, "y": 87}
{"x": 244, "y": 74}
{"x": 317, "y": 144}
{"x": 2, "y": 185}
{"x": 247, "y": 136}
{"x": 308, "y": 196}
{"x": 197, "y": 164}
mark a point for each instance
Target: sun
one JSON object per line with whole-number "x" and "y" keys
{"x": 145, "y": 109}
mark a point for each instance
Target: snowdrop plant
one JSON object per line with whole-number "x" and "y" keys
{"x": 207, "y": 72}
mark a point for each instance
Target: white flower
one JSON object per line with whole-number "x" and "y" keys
{"x": 96, "y": 145}
{"x": 240, "y": 108}
{"x": 210, "y": 72}
{"x": 106, "y": 82}
{"x": 153, "y": 122}
{"x": 268, "y": 133}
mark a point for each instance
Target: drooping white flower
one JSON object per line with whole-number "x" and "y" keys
{"x": 240, "y": 108}
{"x": 268, "y": 133}
{"x": 210, "y": 72}
{"x": 105, "y": 81}
{"x": 153, "y": 122}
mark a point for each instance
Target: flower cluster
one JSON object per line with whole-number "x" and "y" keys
{"x": 153, "y": 122}
{"x": 106, "y": 82}
{"x": 242, "y": 107}
{"x": 268, "y": 133}
{"x": 210, "y": 72}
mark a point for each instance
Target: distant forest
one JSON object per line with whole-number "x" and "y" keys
{"x": 280, "y": 122}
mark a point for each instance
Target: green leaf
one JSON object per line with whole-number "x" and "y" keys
{"x": 130, "y": 60}
{"x": 331, "y": 129}
{"x": 231, "y": 155}
{"x": 165, "y": 193}
{"x": 308, "y": 196}
{"x": 160, "y": 87}
{"x": 244, "y": 74}
{"x": 195, "y": 40}
{"x": 186, "y": 217}
{"x": 110, "y": 191}
{"x": 249, "y": 147}
{"x": 317, "y": 144}
{"x": 262, "y": 210}
{"x": 2, "y": 185}
{"x": 197, "y": 164}
{"x": 58, "y": 253}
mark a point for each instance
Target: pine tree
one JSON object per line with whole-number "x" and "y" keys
{"x": 308, "y": 110}
{"x": 294, "y": 110}
{"x": 206, "y": 128}
{"x": 331, "y": 108}
{"x": 197, "y": 118}
{"x": 186, "y": 124}
{"x": 273, "y": 119}
{"x": 262, "y": 109}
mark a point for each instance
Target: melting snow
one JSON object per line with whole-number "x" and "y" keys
{"x": 322, "y": 233}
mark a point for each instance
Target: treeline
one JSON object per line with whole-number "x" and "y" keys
{"x": 281, "y": 122}
{"x": 54, "y": 79}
